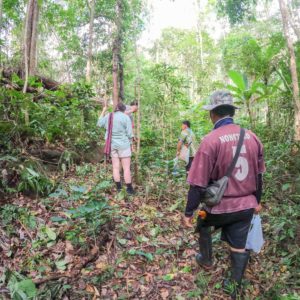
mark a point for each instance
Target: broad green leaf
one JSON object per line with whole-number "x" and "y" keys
{"x": 285, "y": 187}
{"x": 174, "y": 206}
{"x": 122, "y": 241}
{"x": 238, "y": 79}
{"x": 78, "y": 189}
{"x": 8, "y": 158}
{"x": 104, "y": 185}
{"x": 168, "y": 277}
{"x": 50, "y": 233}
{"x": 142, "y": 239}
{"x": 149, "y": 256}
{"x": 28, "y": 287}
{"x": 218, "y": 285}
{"x": 32, "y": 172}
{"x": 187, "y": 269}
{"x": 58, "y": 219}
{"x": 61, "y": 264}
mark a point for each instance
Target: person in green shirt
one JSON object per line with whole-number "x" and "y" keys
{"x": 121, "y": 139}
{"x": 187, "y": 139}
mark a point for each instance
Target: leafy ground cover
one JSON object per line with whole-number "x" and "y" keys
{"x": 86, "y": 242}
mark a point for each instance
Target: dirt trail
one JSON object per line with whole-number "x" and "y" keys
{"x": 153, "y": 256}
{"x": 142, "y": 253}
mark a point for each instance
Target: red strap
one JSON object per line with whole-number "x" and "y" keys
{"x": 107, "y": 149}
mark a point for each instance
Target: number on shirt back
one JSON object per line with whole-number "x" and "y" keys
{"x": 241, "y": 164}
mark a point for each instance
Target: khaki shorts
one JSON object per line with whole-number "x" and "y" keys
{"x": 121, "y": 153}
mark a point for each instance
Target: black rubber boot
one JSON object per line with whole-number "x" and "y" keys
{"x": 130, "y": 189}
{"x": 119, "y": 186}
{"x": 204, "y": 258}
{"x": 239, "y": 263}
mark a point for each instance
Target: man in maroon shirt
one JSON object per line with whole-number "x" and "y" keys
{"x": 242, "y": 196}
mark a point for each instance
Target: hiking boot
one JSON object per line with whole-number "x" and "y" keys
{"x": 129, "y": 189}
{"x": 119, "y": 186}
{"x": 239, "y": 261}
{"x": 204, "y": 257}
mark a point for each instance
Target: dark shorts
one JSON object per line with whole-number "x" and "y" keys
{"x": 235, "y": 226}
{"x": 188, "y": 166}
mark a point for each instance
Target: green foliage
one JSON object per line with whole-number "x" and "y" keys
{"x": 70, "y": 121}
{"x": 236, "y": 11}
{"x": 20, "y": 287}
{"x": 91, "y": 216}
{"x": 10, "y": 214}
{"x": 149, "y": 256}
{"x": 30, "y": 180}
{"x": 70, "y": 116}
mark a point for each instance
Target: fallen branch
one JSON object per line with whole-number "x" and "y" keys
{"x": 48, "y": 83}
{"x": 70, "y": 274}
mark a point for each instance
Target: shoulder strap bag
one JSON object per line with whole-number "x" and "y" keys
{"x": 107, "y": 148}
{"x": 215, "y": 191}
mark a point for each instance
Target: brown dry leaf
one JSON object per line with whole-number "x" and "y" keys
{"x": 164, "y": 293}
{"x": 122, "y": 265}
{"x": 189, "y": 252}
{"x": 90, "y": 289}
{"x": 283, "y": 269}
{"x": 69, "y": 250}
{"x": 149, "y": 277}
{"x": 133, "y": 267}
{"x": 103, "y": 291}
{"x": 69, "y": 247}
{"x": 101, "y": 265}
{"x": 81, "y": 284}
{"x": 84, "y": 272}
{"x": 96, "y": 292}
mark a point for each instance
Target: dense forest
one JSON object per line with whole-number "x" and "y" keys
{"x": 64, "y": 231}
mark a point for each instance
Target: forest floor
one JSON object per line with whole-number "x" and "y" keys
{"x": 138, "y": 250}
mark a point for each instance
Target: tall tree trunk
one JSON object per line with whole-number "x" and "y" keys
{"x": 137, "y": 92}
{"x": 30, "y": 40}
{"x": 293, "y": 68}
{"x": 199, "y": 29}
{"x": 250, "y": 113}
{"x": 121, "y": 78}
{"x": 117, "y": 43}
{"x": 292, "y": 21}
{"x": 115, "y": 74}
{"x": 1, "y": 13}
{"x": 91, "y": 7}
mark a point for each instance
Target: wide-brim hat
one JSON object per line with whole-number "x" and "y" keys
{"x": 220, "y": 98}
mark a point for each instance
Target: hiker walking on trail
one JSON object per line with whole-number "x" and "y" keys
{"x": 187, "y": 144}
{"x": 118, "y": 143}
{"x": 226, "y": 146}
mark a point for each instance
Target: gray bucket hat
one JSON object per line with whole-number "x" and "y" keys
{"x": 220, "y": 98}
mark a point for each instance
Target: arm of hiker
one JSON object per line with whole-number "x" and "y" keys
{"x": 181, "y": 141}
{"x": 102, "y": 120}
{"x": 128, "y": 111}
{"x": 102, "y": 113}
{"x": 128, "y": 128}
{"x": 179, "y": 145}
{"x": 195, "y": 195}
{"x": 261, "y": 170}
{"x": 198, "y": 178}
{"x": 258, "y": 193}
